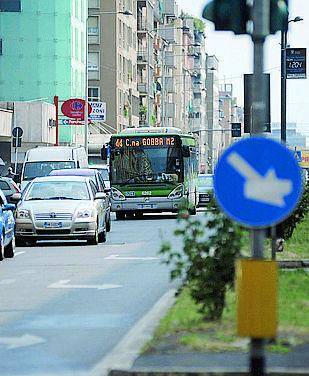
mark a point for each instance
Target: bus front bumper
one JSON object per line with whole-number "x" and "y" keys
{"x": 149, "y": 204}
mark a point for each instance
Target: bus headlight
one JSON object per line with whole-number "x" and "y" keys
{"x": 117, "y": 195}
{"x": 176, "y": 193}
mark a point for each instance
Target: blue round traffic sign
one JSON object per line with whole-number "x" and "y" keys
{"x": 257, "y": 182}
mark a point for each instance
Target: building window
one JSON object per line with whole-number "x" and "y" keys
{"x": 93, "y": 65}
{"x": 93, "y": 30}
{"x": 94, "y": 4}
{"x": 93, "y": 94}
{"x": 10, "y": 6}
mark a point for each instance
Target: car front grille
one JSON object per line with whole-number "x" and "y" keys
{"x": 53, "y": 216}
{"x": 53, "y": 232}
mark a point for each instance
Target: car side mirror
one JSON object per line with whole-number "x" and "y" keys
{"x": 100, "y": 196}
{"x": 8, "y": 207}
{"x": 186, "y": 151}
{"x": 15, "y": 197}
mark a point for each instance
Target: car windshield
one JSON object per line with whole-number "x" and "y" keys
{"x": 4, "y": 186}
{"x": 205, "y": 181}
{"x": 58, "y": 190}
{"x": 104, "y": 173}
{"x": 142, "y": 165}
{"x": 41, "y": 169}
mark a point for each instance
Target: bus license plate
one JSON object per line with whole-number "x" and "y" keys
{"x": 53, "y": 225}
{"x": 147, "y": 206}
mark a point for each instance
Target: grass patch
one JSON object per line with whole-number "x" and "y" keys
{"x": 184, "y": 328}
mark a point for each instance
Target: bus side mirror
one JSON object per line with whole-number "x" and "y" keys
{"x": 104, "y": 153}
{"x": 186, "y": 151}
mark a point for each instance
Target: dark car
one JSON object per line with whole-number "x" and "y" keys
{"x": 205, "y": 188}
{"x": 104, "y": 171}
{"x": 8, "y": 187}
{"x": 96, "y": 177}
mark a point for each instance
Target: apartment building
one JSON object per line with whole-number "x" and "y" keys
{"x": 43, "y": 51}
{"x": 112, "y": 63}
{"x": 214, "y": 130}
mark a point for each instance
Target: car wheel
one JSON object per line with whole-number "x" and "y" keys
{"x": 108, "y": 224}
{"x": 20, "y": 242}
{"x": 120, "y": 215}
{"x": 102, "y": 236}
{"x": 9, "y": 249}
{"x": 1, "y": 248}
{"x": 94, "y": 240}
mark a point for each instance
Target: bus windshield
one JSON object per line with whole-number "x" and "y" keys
{"x": 41, "y": 169}
{"x": 143, "y": 165}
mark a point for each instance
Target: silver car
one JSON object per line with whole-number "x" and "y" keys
{"x": 61, "y": 207}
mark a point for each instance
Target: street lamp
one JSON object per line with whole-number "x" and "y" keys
{"x": 125, "y": 13}
{"x": 284, "y": 34}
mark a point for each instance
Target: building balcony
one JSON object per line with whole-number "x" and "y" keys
{"x": 170, "y": 8}
{"x": 169, "y": 59}
{"x": 170, "y": 84}
{"x": 197, "y": 87}
{"x": 94, "y": 4}
{"x": 168, "y": 33}
{"x": 170, "y": 110}
{"x": 142, "y": 87}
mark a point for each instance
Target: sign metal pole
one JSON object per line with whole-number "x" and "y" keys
{"x": 261, "y": 14}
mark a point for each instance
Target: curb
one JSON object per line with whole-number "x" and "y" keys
{"x": 203, "y": 372}
{"x": 293, "y": 264}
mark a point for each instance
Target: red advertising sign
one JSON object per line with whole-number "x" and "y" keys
{"x": 74, "y": 108}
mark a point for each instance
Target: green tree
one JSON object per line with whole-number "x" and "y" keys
{"x": 207, "y": 261}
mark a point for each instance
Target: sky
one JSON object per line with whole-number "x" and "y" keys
{"x": 235, "y": 54}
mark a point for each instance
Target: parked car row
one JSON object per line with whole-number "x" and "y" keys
{"x": 7, "y": 224}
{"x": 67, "y": 204}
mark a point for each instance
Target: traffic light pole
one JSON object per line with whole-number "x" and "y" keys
{"x": 283, "y": 85}
{"x": 261, "y": 18}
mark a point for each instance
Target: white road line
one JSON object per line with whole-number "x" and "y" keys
{"x": 127, "y": 350}
{"x": 19, "y": 253}
{"x": 117, "y": 257}
{"x": 64, "y": 284}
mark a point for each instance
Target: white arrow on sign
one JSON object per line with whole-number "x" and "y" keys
{"x": 117, "y": 257}
{"x": 268, "y": 189}
{"x": 64, "y": 284}
{"x": 22, "y": 341}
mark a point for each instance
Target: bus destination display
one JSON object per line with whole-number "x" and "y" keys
{"x": 137, "y": 142}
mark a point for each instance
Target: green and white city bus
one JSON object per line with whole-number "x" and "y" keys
{"x": 153, "y": 170}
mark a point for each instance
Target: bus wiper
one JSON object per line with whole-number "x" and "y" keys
{"x": 138, "y": 176}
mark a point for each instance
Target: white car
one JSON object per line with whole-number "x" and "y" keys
{"x": 61, "y": 207}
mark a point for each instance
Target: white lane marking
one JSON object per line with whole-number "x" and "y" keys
{"x": 19, "y": 253}
{"x": 7, "y": 281}
{"x": 127, "y": 350}
{"x": 117, "y": 257}
{"x": 25, "y": 340}
{"x": 64, "y": 284}
{"x": 268, "y": 189}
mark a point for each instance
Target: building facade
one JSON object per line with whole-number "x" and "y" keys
{"x": 112, "y": 62}
{"x": 43, "y": 51}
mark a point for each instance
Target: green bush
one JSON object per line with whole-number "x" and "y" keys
{"x": 207, "y": 261}
{"x": 286, "y": 228}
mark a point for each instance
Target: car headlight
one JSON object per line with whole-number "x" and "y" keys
{"x": 22, "y": 214}
{"x": 117, "y": 195}
{"x": 85, "y": 213}
{"x": 176, "y": 193}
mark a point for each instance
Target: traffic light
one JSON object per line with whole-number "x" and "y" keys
{"x": 234, "y": 15}
{"x": 279, "y": 16}
{"x": 228, "y": 15}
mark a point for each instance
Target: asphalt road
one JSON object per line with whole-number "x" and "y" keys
{"x": 65, "y": 307}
